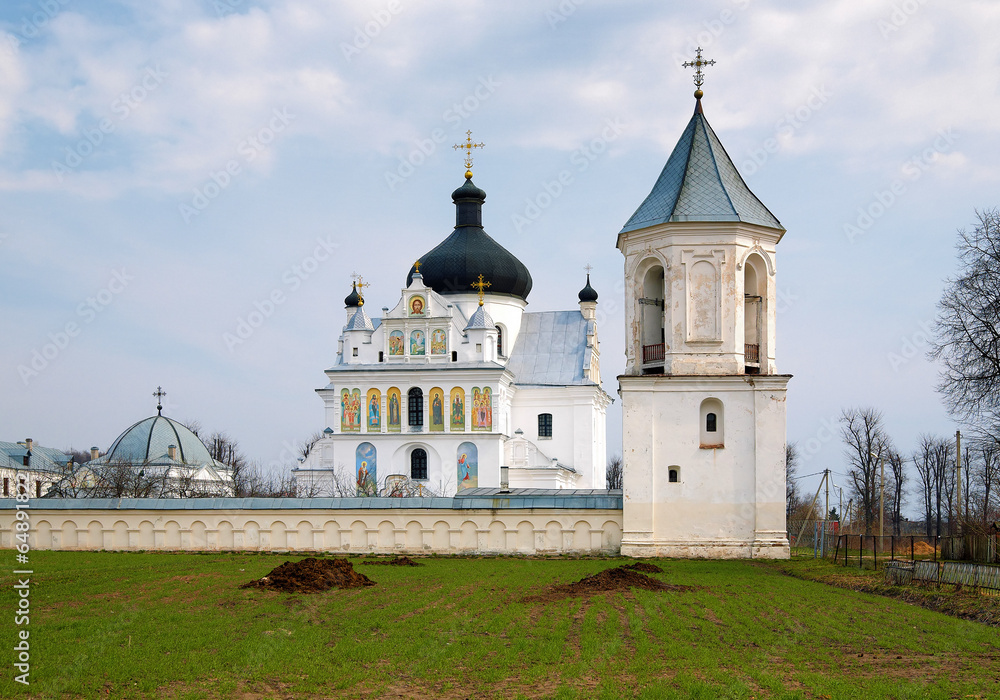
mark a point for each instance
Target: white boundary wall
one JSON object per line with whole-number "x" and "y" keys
{"x": 399, "y": 530}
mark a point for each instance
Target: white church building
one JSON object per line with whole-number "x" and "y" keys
{"x": 458, "y": 379}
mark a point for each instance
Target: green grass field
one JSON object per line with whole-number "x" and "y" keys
{"x": 138, "y": 625}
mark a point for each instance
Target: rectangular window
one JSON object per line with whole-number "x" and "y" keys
{"x": 6, "y": 486}
{"x": 38, "y": 489}
{"x": 544, "y": 425}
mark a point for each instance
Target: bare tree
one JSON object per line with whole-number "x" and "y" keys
{"x": 896, "y": 465}
{"x": 967, "y": 331}
{"x": 306, "y": 447}
{"x": 615, "y": 472}
{"x": 792, "y": 500}
{"x": 934, "y": 463}
{"x": 866, "y": 444}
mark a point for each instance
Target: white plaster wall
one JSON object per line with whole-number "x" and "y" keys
{"x": 728, "y": 502}
{"x": 578, "y": 416}
{"x": 677, "y": 246}
{"x": 402, "y": 531}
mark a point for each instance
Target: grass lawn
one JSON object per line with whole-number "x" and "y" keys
{"x": 138, "y": 625}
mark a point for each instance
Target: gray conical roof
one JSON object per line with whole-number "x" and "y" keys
{"x": 480, "y": 320}
{"x": 700, "y": 183}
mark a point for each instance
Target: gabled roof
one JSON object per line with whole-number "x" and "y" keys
{"x": 700, "y": 183}
{"x": 47, "y": 459}
{"x": 551, "y": 349}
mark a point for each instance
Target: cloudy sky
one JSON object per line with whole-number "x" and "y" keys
{"x": 167, "y": 167}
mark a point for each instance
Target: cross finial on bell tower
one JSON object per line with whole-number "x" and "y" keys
{"x": 159, "y": 394}
{"x": 699, "y": 76}
{"x": 467, "y": 147}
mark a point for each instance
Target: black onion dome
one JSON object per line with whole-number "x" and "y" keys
{"x": 468, "y": 252}
{"x": 588, "y": 293}
{"x": 353, "y": 299}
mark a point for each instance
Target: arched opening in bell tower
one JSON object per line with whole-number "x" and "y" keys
{"x": 651, "y": 320}
{"x": 754, "y": 313}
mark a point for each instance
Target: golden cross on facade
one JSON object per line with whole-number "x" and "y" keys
{"x": 699, "y": 77}
{"x": 159, "y": 394}
{"x": 416, "y": 267}
{"x": 467, "y": 147}
{"x": 480, "y": 285}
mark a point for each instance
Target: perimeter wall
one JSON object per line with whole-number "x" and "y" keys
{"x": 303, "y": 525}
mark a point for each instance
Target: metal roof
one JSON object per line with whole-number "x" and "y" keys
{"x": 551, "y": 349}
{"x": 471, "y": 499}
{"x": 149, "y": 439}
{"x": 359, "y": 321}
{"x": 480, "y": 319}
{"x": 700, "y": 183}
{"x": 455, "y": 264}
{"x": 46, "y": 459}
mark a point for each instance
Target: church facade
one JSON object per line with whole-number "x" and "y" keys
{"x": 458, "y": 386}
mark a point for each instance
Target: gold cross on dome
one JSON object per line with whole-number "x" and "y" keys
{"x": 588, "y": 267}
{"x": 480, "y": 285}
{"x": 467, "y": 147}
{"x": 416, "y": 267}
{"x": 361, "y": 284}
{"x": 699, "y": 76}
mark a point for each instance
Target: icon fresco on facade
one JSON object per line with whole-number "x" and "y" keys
{"x": 482, "y": 408}
{"x": 366, "y": 470}
{"x": 457, "y": 410}
{"x": 417, "y": 343}
{"x": 439, "y": 343}
{"x": 374, "y": 411}
{"x": 417, "y": 305}
{"x": 468, "y": 466}
{"x": 392, "y": 410}
{"x": 436, "y": 398}
{"x": 350, "y": 411}
{"x": 396, "y": 343}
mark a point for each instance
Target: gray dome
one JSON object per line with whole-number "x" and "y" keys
{"x": 149, "y": 439}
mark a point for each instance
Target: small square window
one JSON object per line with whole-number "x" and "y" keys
{"x": 354, "y": 352}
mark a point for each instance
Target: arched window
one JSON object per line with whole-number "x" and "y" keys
{"x": 415, "y": 400}
{"x": 674, "y": 476}
{"x": 418, "y": 464}
{"x": 712, "y": 424}
{"x": 544, "y": 425}
{"x": 754, "y": 313}
{"x": 499, "y": 341}
{"x": 651, "y": 295}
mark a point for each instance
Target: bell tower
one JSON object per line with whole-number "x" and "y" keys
{"x": 703, "y": 405}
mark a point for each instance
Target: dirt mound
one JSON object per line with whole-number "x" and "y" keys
{"x": 311, "y": 576}
{"x": 395, "y": 561}
{"x": 923, "y": 548}
{"x": 620, "y": 578}
{"x": 644, "y": 567}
